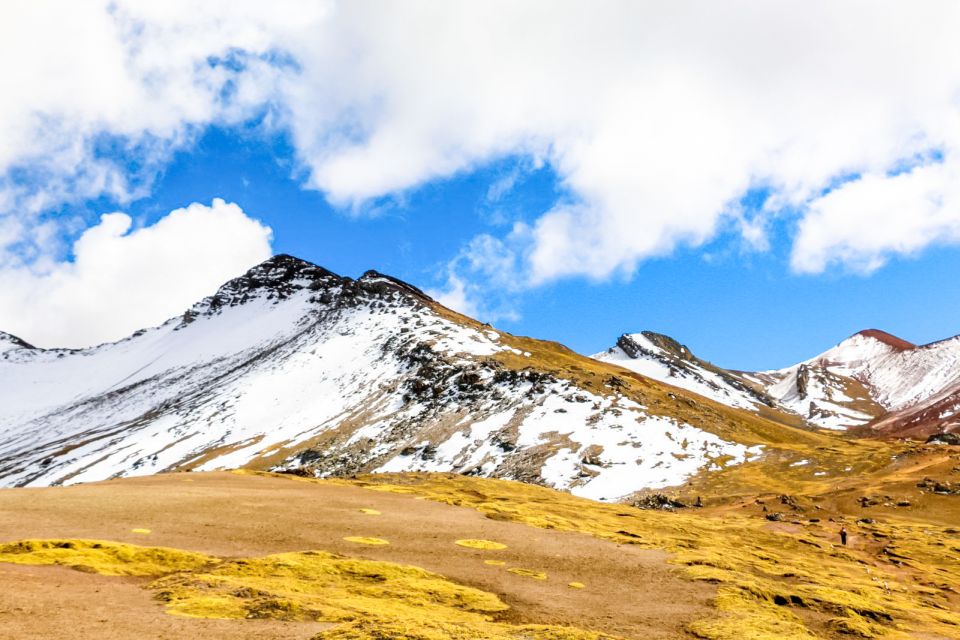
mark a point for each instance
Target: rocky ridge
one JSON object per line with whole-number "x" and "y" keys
{"x": 872, "y": 382}
{"x": 293, "y": 367}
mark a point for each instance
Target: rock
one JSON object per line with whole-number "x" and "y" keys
{"x": 790, "y": 501}
{"x": 775, "y": 517}
{"x": 944, "y": 438}
{"x": 615, "y": 382}
{"x": 942, "y": 488}
{"x": 302, "y": 472}
{"x": 658, "y": 501}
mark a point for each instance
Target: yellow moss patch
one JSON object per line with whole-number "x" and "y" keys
{"x": 316, "y": 585}
{"x": 107, "y": 558}
{"x": 441, "y": 630}
{"x": 366, "y": 540}
{"x": 528, "y": 573}
{"x": 481, "y": 544}
{"x": 141, "y": 531}
{"x": 495, "y": 563}
{"x": 766, "y": 574}
{"x": 576, "y": 585}
{"x": 370, "y": 512}
{"x": 369, "y": 599}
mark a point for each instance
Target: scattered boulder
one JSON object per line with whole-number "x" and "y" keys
{"x": 302, "y": 472}
{"x": 944, "y": 438}
{"x": 942, "y": 488}
{"x": 658, "y": 501}
{"x": 873, "y": 501}
{"x": 615, "y": 382}
{"x": 790, "y": 502}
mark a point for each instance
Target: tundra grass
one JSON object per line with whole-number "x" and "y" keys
{"x": 775, "y": 580}
{"x": 106, "y": 558}
{"x": 364, "y": 598}
{"x": 489, "y": 545}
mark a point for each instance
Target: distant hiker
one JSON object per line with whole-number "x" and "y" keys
{"x": 699, "y": 502}
{"x": 843, "y": 535}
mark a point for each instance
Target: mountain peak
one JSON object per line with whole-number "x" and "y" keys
{"x": 275, "y": 278}
{"x": 8, "y": 342}
{"x": 668, "y": 344}
{"x": 283, "y": 275}
{"x": 373, "y": 278}
{"x": 888, "y": 339}
{"x": 284, "y": 268}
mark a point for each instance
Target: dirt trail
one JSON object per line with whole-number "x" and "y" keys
{"x": 629, "y": 592}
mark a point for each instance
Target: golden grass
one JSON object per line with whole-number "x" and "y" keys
{"x": 774, "y": 581}
{"x": 528, "y": 573}
{"x": 315, "y": 585}
{"x": 481, "y": 544}
{"x": 370, "y": 512}
{"x": 140, "y": 531}
{"x": 366, "y": 599}
{"x": 107, "y": 558}
{"x": 576, "y": 585}
{"x": 367, "y": 540}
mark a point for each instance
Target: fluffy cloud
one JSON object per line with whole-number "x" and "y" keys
{"x": 863, "y": 223}
{"x": 657, "y": 117}
{"x": 122, "y": 280}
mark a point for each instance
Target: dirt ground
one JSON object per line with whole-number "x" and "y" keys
{"x": 630, "y": 592}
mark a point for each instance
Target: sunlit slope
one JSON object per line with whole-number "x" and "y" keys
{"x": 253, "y": 548}
{"x": 780, "y": 577}
{"x": 765, "y": 546}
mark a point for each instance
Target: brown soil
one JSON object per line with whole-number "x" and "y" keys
{"x": 888, "y": 339}
{"x": 37, "y": 603}
{"x": 629, "y": 592}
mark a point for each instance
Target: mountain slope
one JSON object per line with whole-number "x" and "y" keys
{"x": 867, "y": 376}
{"x": 663, "y": 358}
{"x": 873, "y": 382}
{"x": 291, "y": 366}
{"x": 9, "y": 342}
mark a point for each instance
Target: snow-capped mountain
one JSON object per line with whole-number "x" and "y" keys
{"x": 292, "y": 366}
{"x": 662, "y": 358}
{"x": 9, "y": 342}
{"x": 871, "y": 380}
{"x": 869, "y": 377}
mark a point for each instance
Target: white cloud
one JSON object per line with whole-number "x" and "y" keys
{"x": 481, "y": 280}
{"x": 657, "y": 118}
{"x": 122, "y": 280}
{"x": 863, "y": 223}
{"x": 455, "y": 296}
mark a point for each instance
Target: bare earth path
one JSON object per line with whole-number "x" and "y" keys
{"x": 629, "y": 592}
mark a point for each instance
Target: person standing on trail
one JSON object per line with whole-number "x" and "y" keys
{"x": 843, "y": 535}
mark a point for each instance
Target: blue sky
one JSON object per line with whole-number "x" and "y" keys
{"x": 566, "y": 170}
{"x": 735, "y": 307}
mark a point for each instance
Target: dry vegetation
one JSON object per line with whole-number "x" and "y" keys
{"x": 366, "y": 598}
{"x": 782, "y": 578}
{"x": 898, "y": 577}
{"x": 766, "y": 538}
